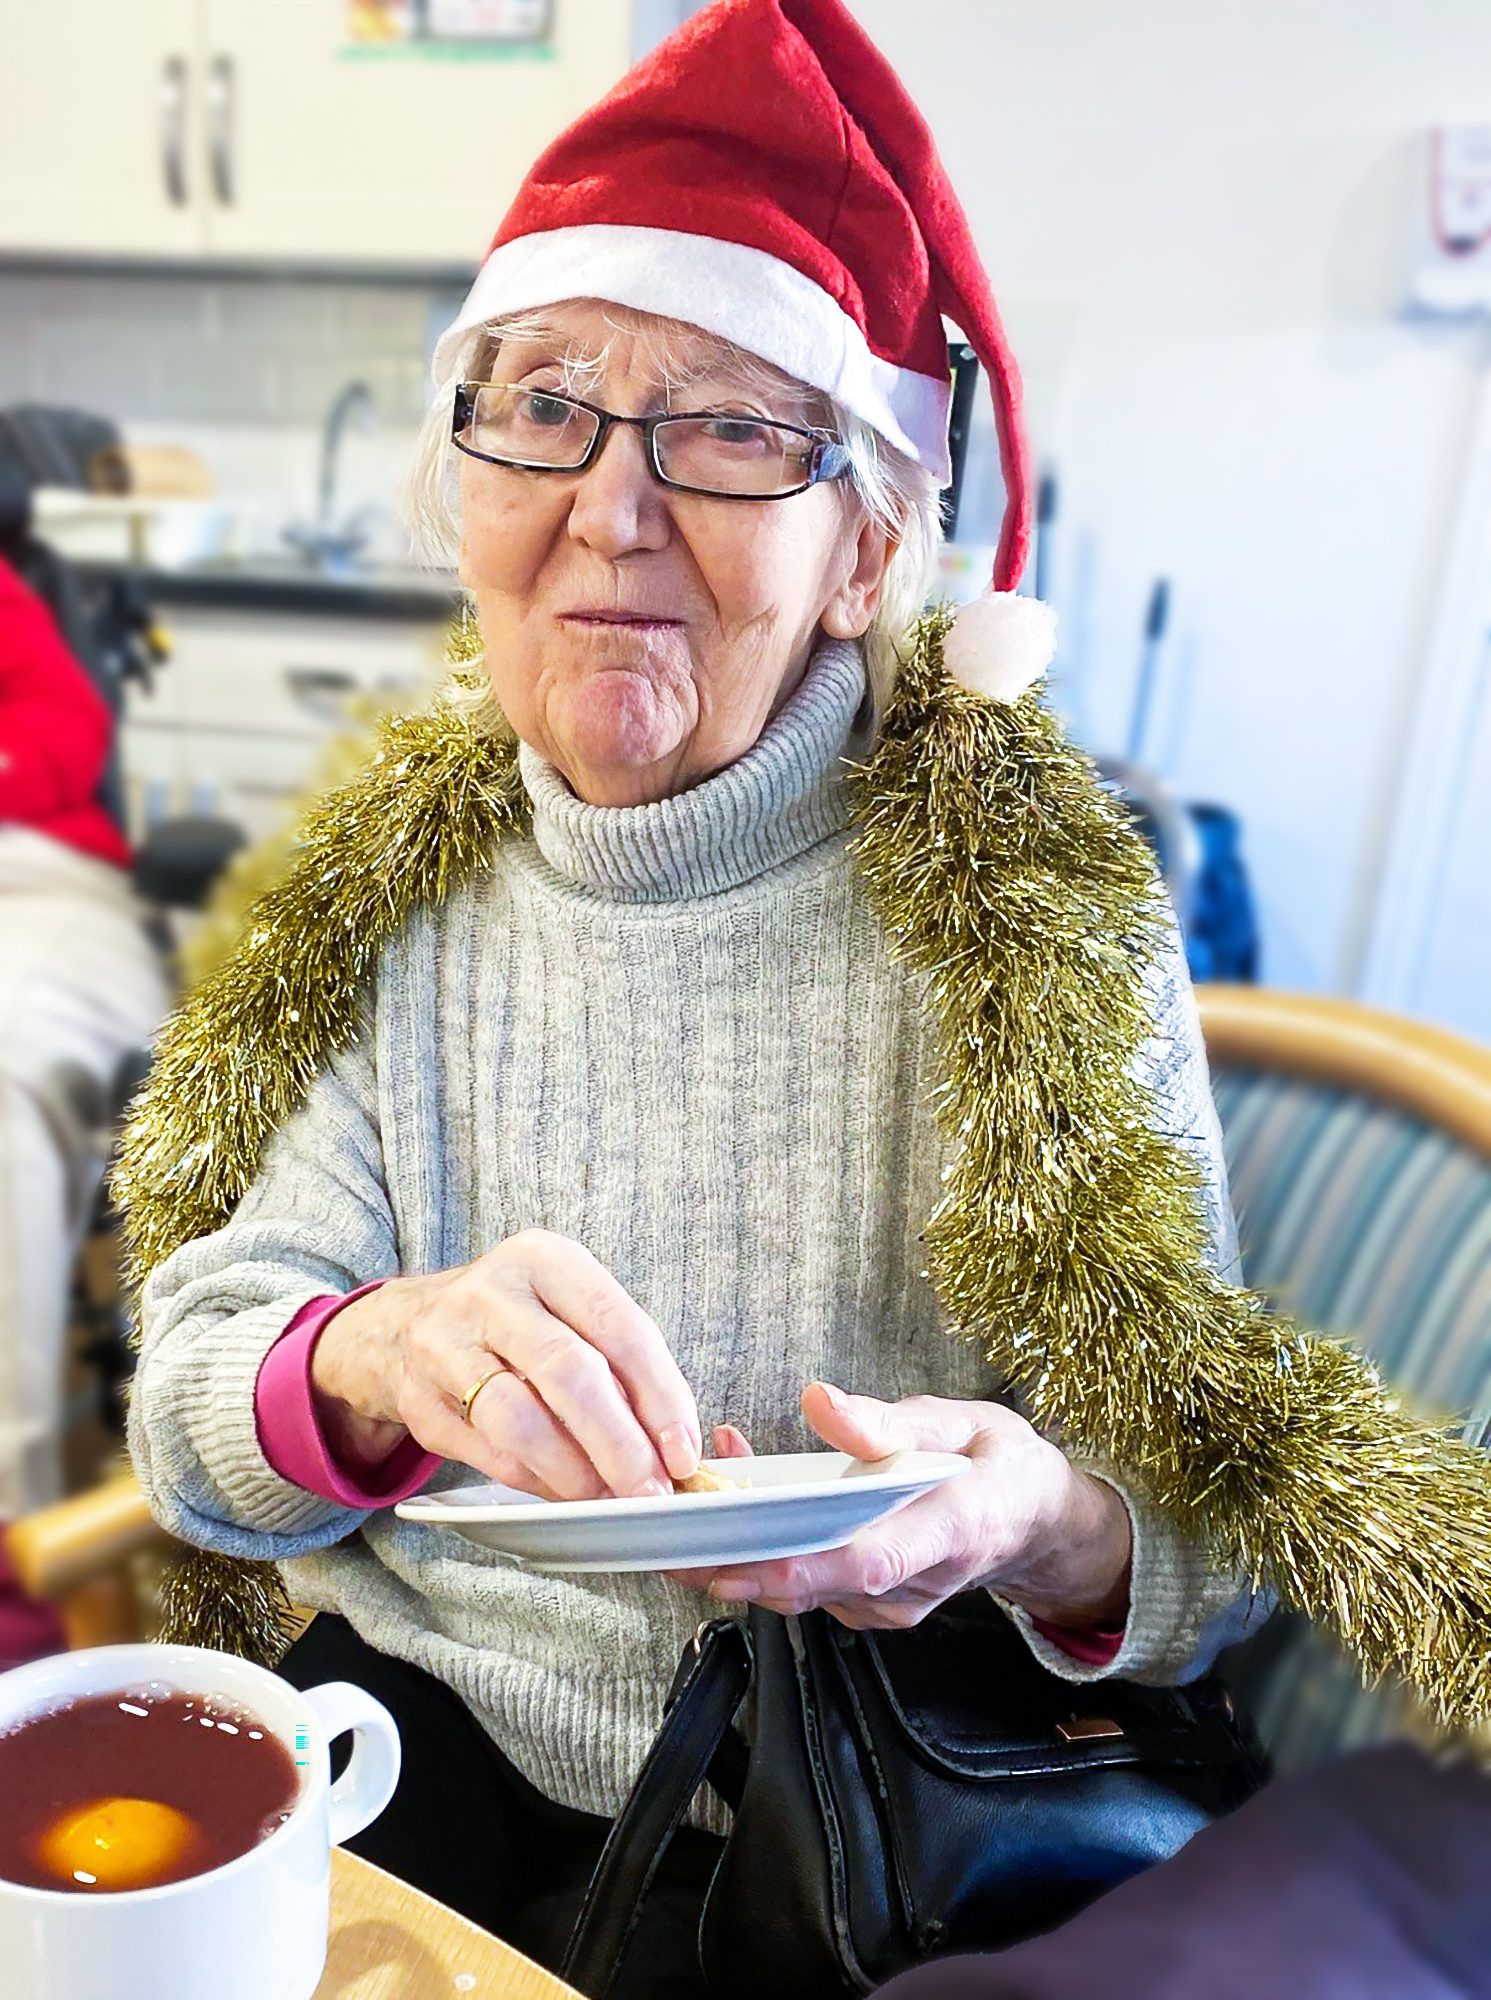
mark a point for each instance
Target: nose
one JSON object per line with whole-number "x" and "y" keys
{"x": 618, "y": 506}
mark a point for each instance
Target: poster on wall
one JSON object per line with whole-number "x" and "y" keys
{"x": 416, "y": 27}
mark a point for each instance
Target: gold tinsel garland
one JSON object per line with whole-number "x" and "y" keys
{"x": 234, "y": 1062}
{"x": 1069, "y": 1242}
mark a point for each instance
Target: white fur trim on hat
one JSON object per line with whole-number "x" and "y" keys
{"x": 1000, "y": 645}
{"x": 744, "y": 295}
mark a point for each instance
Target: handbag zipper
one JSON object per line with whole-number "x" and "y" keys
{"x": 921, "y": 1936}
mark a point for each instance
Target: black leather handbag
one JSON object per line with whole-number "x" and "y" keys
{"x": 903, "y": 1795}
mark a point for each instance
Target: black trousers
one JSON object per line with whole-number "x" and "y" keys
{"x": 468, "y": 1828}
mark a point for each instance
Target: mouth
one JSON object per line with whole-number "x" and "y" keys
{"x": 645, "y": 621}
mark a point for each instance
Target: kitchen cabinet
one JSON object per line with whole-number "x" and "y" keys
{"x": 101, "y": 128}
{"x": 338, "y": 153}
{"x": 242, "y": 717}
{"x": 249, "y": 129}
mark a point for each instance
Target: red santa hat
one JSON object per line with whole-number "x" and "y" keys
{"x": 764, "y": 175}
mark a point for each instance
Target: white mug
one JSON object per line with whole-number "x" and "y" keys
{"x": 254, "y": 1928}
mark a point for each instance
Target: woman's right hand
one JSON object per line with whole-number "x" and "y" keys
{"x": 588, "y": 1401}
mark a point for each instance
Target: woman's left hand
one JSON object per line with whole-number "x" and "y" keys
{"x": 1024, "y": 1521}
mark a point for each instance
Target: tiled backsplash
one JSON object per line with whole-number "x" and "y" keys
{"x": 204, "y": 350}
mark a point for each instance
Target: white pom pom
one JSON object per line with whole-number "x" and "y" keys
{"x": 1000, "y": 645}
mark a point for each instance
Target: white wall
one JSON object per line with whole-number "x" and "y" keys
{"x": 1198, "y": 215}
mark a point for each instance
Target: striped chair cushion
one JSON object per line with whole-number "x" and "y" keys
{"x": 1366, "y": 1222}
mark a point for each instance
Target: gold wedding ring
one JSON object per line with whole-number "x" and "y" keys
{"x": 476, "y": 1388}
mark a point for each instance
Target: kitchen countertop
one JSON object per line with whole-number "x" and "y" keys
{"x": 273, "y": 584}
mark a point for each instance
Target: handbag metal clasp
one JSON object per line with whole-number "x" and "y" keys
{"x": 1088, "y": 1729}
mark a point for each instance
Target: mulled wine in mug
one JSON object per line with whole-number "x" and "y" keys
{"x": 166, "y": 1821}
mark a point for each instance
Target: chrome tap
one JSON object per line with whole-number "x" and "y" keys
{"x": 324, "y": 543}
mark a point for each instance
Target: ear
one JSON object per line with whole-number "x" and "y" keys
{"x": 850, "y": 610}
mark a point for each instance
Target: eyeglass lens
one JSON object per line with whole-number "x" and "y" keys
{"x": 715, "y": 454}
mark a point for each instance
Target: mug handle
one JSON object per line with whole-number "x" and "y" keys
{"x": 367, "y": 1784}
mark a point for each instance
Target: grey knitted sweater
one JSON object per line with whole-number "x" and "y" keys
{"x": 674, "y": 1033}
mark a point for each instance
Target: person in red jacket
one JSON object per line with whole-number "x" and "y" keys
{"x": 80, "y": 984}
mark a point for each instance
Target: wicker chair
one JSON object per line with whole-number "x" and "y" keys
{"x": 1359, "y": 1146}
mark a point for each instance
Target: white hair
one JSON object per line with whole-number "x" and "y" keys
{"x": 896, "y": 493}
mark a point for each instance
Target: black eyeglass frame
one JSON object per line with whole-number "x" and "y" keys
{"x": 829, "y": 459}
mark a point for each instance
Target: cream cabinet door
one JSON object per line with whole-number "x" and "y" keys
{"x": 243, "y": 716}
{"x": 100, "y": 126}
{"x": 316, "y": 149}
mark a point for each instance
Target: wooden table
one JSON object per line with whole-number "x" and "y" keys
{"x": 389, "y": 1942}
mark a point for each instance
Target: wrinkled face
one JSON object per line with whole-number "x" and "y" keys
{"x": 638, "y": 637}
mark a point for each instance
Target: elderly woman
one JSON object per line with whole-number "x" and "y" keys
{"x": 630, "y": 1155}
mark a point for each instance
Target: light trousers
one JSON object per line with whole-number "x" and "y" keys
{"x": 80, "y": 984}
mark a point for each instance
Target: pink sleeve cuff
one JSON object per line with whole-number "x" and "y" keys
{"x": 291, "y": 1438}
{"x": 290, "y": 1433}
{"x": 1092, "y": 1647}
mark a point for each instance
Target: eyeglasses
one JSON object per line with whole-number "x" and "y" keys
{"x": 698, "y": 451}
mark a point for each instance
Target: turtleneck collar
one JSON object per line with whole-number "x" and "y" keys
{"x": 781, "y": 798}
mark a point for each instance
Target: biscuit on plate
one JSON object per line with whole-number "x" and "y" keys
{"x": 705, "y": 1481}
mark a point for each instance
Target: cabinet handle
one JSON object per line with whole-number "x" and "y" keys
{"x": 173, "y": 128}
{"x": 220, "y": 126}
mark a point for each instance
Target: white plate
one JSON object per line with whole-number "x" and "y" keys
{"x": 796, "y": 1504}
